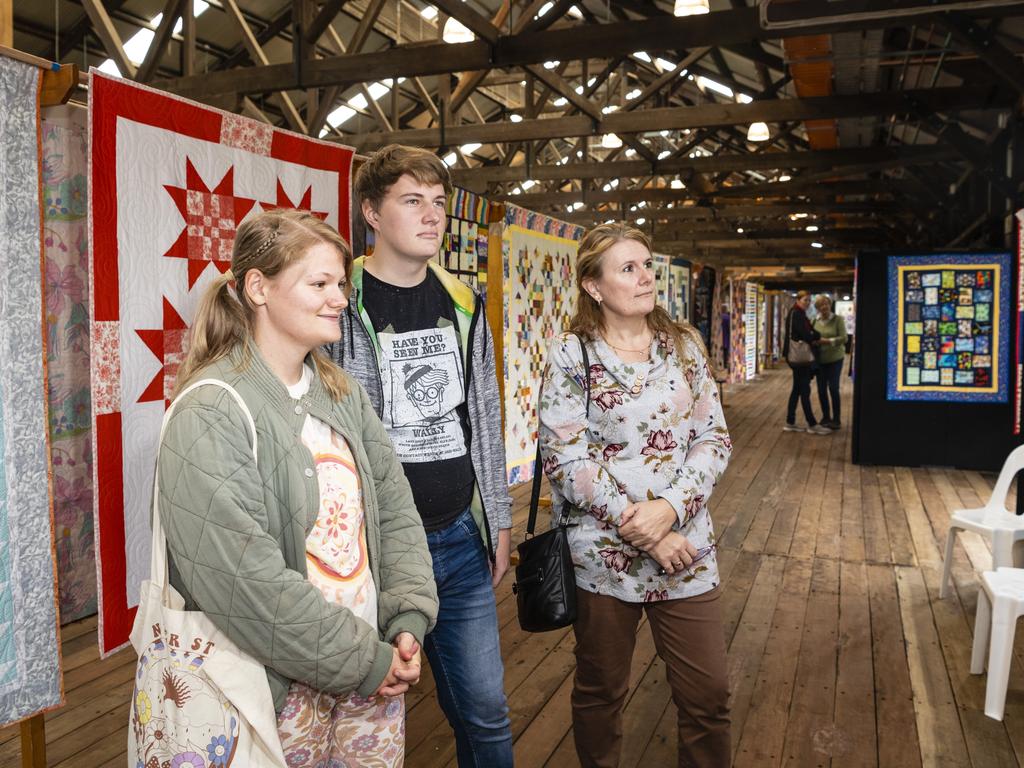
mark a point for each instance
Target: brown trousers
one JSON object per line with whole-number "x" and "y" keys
{"x": 689, "y": 637}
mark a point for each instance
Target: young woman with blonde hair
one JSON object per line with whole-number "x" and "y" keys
{"x": 313, "y": 560}
{"x": 638, "y": 472}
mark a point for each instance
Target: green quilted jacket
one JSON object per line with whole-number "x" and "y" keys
{"x": 236, "y": 532}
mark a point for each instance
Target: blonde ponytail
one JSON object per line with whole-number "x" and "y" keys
{"x": 220, "y": 325}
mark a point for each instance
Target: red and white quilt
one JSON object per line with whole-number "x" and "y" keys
{"x": 170, "y": 181}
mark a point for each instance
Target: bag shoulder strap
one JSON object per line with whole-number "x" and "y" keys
{"x": 538, "y": 465}
{"x": 158, "y": 554}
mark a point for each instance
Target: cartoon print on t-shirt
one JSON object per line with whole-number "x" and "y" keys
{"x": 422, "y": 371}
{"x": 424, "y": 386}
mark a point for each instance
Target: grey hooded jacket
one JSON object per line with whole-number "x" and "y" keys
{"x": 358, "y": 353}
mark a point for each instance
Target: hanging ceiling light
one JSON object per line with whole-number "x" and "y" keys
{"x": 611, "y": 141}
{"x": 758, "y": 132}
{"x": 456, "y": 32}
{"x": 691, "y": 7}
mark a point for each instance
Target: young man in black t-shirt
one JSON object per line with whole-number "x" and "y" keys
{"x": 417, "y": 339}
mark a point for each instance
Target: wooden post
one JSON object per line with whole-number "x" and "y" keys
{"x": 188, "y": 45}
{"x": 33, "y": 742}
{"x": 7, "y": 23}
{"x": 496, "y": 295}
{"x": 58, "y": 85}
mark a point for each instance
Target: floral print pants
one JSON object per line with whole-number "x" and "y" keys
{"x": 322, "y": 731}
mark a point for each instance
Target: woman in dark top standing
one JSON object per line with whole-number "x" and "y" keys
{"x": 798, "y": 327}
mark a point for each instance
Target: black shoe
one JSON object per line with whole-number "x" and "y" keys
{"x": 826, "y": 423}
{"x": 833, "y": 425}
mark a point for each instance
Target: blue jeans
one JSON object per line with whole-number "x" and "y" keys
{"x": 828, "y": 379}
{"x": 801, "y": 391}
{"x": 464, "y": 649}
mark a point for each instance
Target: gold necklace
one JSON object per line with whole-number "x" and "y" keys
{"x": 627, "y": 349}
{"x": 638, "y": 385}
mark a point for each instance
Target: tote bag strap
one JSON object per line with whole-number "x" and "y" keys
{"x": 538, "y": 465}
{"x": 158, "y": 556}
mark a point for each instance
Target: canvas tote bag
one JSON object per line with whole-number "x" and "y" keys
{"x": 199, "y": 699}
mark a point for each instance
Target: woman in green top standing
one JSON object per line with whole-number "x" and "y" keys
{"x": 830, "y": 360}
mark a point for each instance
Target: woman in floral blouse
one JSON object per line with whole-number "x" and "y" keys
{"x": 638, "y": 473}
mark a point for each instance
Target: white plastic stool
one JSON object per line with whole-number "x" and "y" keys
{"x": 1000, "y": 604}
{"x": 994, "y": 520}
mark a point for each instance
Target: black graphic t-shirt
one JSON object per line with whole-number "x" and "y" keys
{"x": 424, "y": 386}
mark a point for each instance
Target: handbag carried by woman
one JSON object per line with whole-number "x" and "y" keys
{"x": 545, "y": 585}
{"x": 800, "y": 352}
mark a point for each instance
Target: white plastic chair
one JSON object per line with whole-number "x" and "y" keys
{"x": 1000, "y": 604}
{"x": 994, "y": 520}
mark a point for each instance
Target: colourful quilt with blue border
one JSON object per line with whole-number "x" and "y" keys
{"x": 949, "y": 327}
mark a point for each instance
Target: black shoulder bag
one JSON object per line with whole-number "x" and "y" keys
{"x": 545, "y": 585}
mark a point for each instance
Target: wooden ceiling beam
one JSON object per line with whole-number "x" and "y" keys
{"x": 725, "y": 211}
{"x": 721, "y": 28}
{"x": 107, "y": 33}
{"x": 361, "y": 35}
{"x": 808, "y": 189}
{"x": 256, "y": 51}
{"x": 328, "y": 12}
{"x": 820, "y": 193}
{"x": 812, "y": 159}
{"x": 170, "y": 14}
{"x": 475, "y": 22}
{"x": 74, "y": 37}
{"x": 751, "y": 238}
{"x": 470, "y": 81}
{"x": 984, "y": 43}
{"x": 923, "y": 101}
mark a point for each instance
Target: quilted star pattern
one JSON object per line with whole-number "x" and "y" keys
{"x": 284, "y": 201}
{"x": 211, "y": 218}
{"x": 167, "y": 343}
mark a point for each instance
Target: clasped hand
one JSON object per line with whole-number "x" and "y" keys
{"x": 405, "y": 666}
{"x": 647, "y": 525}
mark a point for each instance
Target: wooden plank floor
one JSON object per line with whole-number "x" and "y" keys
{"x": 840, "y": 651}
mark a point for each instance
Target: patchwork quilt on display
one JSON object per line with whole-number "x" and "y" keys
{"x": 737, "y": 337}
{"x": 663, "y": 279}
{"x": 750, "y": 331}
{"x": 949, "y": 327}
{"x": 679, "y": 291}
{"x": 716, "y": 319}
{"x": 170, "y": 181}
{"x": 66, "y": 248}
{"x": 1019, "y": 372}
{"x": 464, "y": 250}
{"x": 539, "y": 256}
{"x": 30, "y": 673}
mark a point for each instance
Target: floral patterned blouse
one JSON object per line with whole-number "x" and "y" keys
{"x": 656, "y": 430}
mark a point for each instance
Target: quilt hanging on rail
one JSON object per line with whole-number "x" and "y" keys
{"x": 30, "y": 667}
{"x": 464, "y": 250}
{"x": 66, "y": 250}
{"x": 679, "y": 291}
{"x": 539, "y": 255}
{"x": 949, "y": 327}
{"x": 170, "y": 182}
